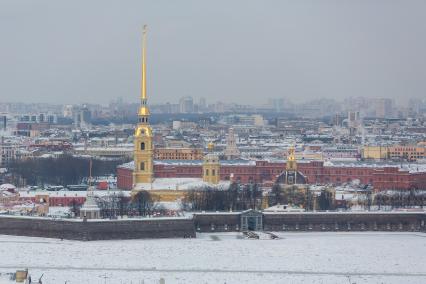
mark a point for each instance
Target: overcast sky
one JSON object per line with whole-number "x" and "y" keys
{"x": 242, "y": 51}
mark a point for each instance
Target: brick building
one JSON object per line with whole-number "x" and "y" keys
{"x": 178, "y": 153}
{"x": 65, "y": 198}
{"x": 381, "y": 177}
{"x": 397, "y": 152}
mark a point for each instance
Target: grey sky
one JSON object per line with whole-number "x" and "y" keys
{"x": 242, "y": 51}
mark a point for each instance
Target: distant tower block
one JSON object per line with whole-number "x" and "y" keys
{"x": 211, "y": 167}
{"x": 143, "y": 145}
{"x": 231, "y": 150}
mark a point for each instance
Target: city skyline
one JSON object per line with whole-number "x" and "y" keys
{"x": 58, "y": 52}
{"x": 232, "y": 125}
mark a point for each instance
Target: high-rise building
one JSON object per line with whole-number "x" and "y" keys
{"x": 353, "y": 122}
{"x": 202, "y": 105}
{"x": 383, "y": 107}
{"x": 67, "y": 111}
{"x": 82, "y": 116}
{"x": 277, "y": 104}
{"x": 3, "y": 122}
{"x": 143, "y": 146}
{"x": 231, "y": 150}
{"x": 337, "y": 120}
{"x": 186, "y": 105}
{"x": 39, "y": 118}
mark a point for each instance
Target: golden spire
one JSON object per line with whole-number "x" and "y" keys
{"x": 143, "y": 110}
{"x": 291, "y": 155}
{"x": 210, "y": 147}
{"x": 143, "y": 93}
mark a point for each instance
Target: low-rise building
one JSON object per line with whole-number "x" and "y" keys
{"x": 178, "y": 153}
{"x": 381, "y": 176}
{"x": 397, "y": 152}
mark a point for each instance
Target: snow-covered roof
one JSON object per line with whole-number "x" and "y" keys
{"x": 410, "y": 167}
{"x": 179, "y": 184}
{"x": 7, "y": 186}
{"x": 65, "y": 193}
{"x": 105, "y": 149}
{"x": 239, "y": 162}
{"x": 283, "y": 208}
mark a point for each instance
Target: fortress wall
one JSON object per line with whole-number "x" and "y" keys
{"x": 411, "y": 222}
{"x": 344, "y": 222}
{"x": 207, "y": 222}
{"x": 204, "y": 222}
{"x": 97, "y": 230}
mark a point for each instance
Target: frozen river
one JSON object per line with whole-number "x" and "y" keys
{"x": 224, "y": 258}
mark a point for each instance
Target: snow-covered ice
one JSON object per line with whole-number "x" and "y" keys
{"x": 224, "y": 258}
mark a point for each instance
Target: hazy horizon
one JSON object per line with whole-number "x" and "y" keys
{"x": 239, "y": 51}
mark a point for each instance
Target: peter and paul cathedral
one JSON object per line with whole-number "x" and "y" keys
{"x": 143, "y": 144}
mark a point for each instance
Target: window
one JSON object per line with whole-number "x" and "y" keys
{"x": 142, "y": 166}
{"x": 213, "y": 172}
{"x": 142, "y": 145}
{"x": 207, "y": 172}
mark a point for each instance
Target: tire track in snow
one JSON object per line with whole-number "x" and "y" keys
{"x": 201, "y": 270}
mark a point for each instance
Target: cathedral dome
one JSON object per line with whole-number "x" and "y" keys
{"x": 291, "y": 177}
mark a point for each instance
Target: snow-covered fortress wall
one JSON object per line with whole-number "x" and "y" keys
{"x": 97, "y": 230}
{"x": 343, "y": 221}
{"x": 310, "y": 221}
{"x": 211, "y": 222}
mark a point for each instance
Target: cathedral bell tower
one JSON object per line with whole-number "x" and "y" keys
{"x": 211, "y": 166}
{"x": 291, "y": 160}
{"x": 291, "y": 167}
{"x": 143, "y": 148}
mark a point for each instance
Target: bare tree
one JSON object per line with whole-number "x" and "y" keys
{"x": 143, "y": 203}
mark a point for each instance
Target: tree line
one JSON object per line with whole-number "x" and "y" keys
{"x": 400, "y": 199}
{"x": 250, "y": 196}
{"x": 301, "y": 197}
{"x": 236, "y": 198}
{"x": 119, "y": 205}
{"x": 63, "y": 170}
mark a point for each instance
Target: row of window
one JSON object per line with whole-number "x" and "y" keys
{"x": 174, "y": 156}
{"x": 241, "y": 170}
{"x": 190, "y": 170}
